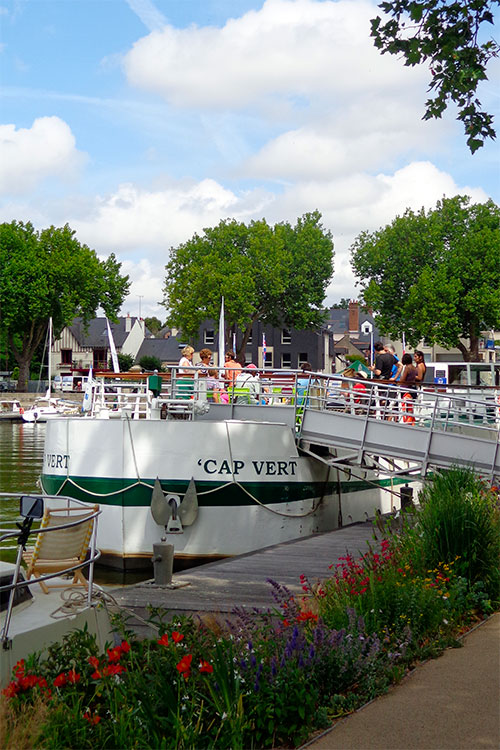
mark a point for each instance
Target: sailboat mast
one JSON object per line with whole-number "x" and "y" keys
{"x": 50, "y": 357}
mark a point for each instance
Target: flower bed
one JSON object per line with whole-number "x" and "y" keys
{"x": 268, "y": 680}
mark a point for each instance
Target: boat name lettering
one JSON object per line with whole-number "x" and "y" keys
{"x": 56, "y": 460}
{"x": 261, "y": 468}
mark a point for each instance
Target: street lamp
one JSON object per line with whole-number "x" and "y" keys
{"x": 366, "y": 328}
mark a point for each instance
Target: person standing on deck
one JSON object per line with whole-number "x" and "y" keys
{"x": 186, "y": 361}
{"x": 383, "y": 362}
{"x": 418, "y": 357}
{"x": 232, "y": 368}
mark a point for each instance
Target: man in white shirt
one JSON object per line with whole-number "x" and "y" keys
{"x": 249, "y": 380}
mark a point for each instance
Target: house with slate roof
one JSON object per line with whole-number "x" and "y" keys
{"x": 80, "y": 347}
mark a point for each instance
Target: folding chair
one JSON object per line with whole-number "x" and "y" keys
{"x": 58, "y": 550}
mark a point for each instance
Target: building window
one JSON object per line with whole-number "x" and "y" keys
{"x": 250, "y": 338}
{"x": 66, "y": 356}
{"x": 286, "y": 336}
{"x": 209, "y": 336}
{"x": 248, "y": 357}
{"x": 286, "y": 361}
{"x": 303, "y": 358}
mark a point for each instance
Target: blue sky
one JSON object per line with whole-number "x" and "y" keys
{"x": 139, "y": 122}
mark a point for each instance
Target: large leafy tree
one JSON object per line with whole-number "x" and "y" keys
{"x": 445, "y": 34}
{"x": 49, "y": 274}
{"x": 274, "y": 274}
{"x": 435, "y": 274}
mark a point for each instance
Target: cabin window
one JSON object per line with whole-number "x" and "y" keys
{"x": 286, "y": 360}
{"x": 66, "y": 356}
{"x": 286, "y": 336}
{"x": 209, "y": 336}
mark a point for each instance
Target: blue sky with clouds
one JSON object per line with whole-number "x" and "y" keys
{"x": 139, "y": 122}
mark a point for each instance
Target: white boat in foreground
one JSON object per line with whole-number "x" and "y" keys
{"x": 231, "y": 478}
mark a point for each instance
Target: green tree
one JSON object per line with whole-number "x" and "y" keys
{"x": 446, "y": 35}
{"x": 342, "y": 305}
{"x": 435, "y": 274}
{"x": 150, "y": 363}
{"x": 153, "y": 325}
{"x": 49, "y": 274}
{"x": 125, "y": 362}
{"x": 274, "y": 274}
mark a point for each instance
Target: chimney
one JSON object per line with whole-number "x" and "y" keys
{"x": 128, "y": 323}
{"x": 353, "y": 317}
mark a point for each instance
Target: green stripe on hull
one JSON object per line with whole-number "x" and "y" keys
{"x": 129, "y": 493}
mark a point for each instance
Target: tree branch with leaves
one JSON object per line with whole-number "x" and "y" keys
{"x": 447, "y": 36}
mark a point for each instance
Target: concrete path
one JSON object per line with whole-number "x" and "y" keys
{"x": 449, "y": 703}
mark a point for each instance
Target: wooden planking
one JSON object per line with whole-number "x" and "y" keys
{"x": 219, "y": 587}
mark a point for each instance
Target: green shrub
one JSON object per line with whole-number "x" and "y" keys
{"x": 459, "y": 521}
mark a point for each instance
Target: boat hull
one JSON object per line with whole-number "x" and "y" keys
{"x": 253, "y": 487}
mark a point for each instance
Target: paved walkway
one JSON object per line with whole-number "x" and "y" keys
{"x": 448, "y": 703}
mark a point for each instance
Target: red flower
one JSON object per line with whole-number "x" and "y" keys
{"x": 19, "y": 668}
{"x": 95, "y": 719}
{"x": 112, "y": 669}
{"x": 60, "y": 680}
{"x": 96, "y": 675}
{"x": 73, "y": 676}
{"x": 184, "y": 666}
{"x": 176, "y": 636}
{"x": 206, "y": 667}
{"x": 114, "y": 654}
{"x": 163, "y": 641}
{"x": 11, "y": 690}
{"x": 286, "y": 623}
{"x": 93, "y": 661}
{"x": 125, "y": 647}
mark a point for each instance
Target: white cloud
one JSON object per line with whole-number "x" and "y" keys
{"x": 133, "y": 217}
{"x": 289, "y": 49}
{"x": 29, "y": 155}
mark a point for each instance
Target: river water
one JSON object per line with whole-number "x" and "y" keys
{"x": 21, "y": 458}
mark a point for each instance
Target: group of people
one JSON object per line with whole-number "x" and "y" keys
{"x": 387, "y": 366}
{"x": 408, "y": 372}
{"x": 219, "y": 381}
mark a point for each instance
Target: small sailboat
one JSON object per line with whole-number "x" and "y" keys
{"x": 47, "y": 407}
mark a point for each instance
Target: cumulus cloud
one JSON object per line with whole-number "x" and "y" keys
{"x": 134, "y": 217}
{"x": 288, "y": 49}
{"x": 29, "y": 155}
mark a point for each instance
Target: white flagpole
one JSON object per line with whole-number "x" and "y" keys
{"x": 222, "y": 344}
{"x": 114, "y": 358}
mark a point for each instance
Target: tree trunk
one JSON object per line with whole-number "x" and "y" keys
{"x": 24, "y": 373}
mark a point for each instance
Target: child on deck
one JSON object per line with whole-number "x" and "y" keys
{"x": 214, "y": 386}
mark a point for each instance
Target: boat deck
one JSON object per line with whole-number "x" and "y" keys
{"x": 241, "y": 582}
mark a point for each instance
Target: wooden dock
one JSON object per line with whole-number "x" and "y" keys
{"x": 241, "y": 582}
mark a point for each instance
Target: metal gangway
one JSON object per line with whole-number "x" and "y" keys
{"x": 427, "y": 427}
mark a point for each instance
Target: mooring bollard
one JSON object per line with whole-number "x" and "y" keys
{"x": 163, "y": 563}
